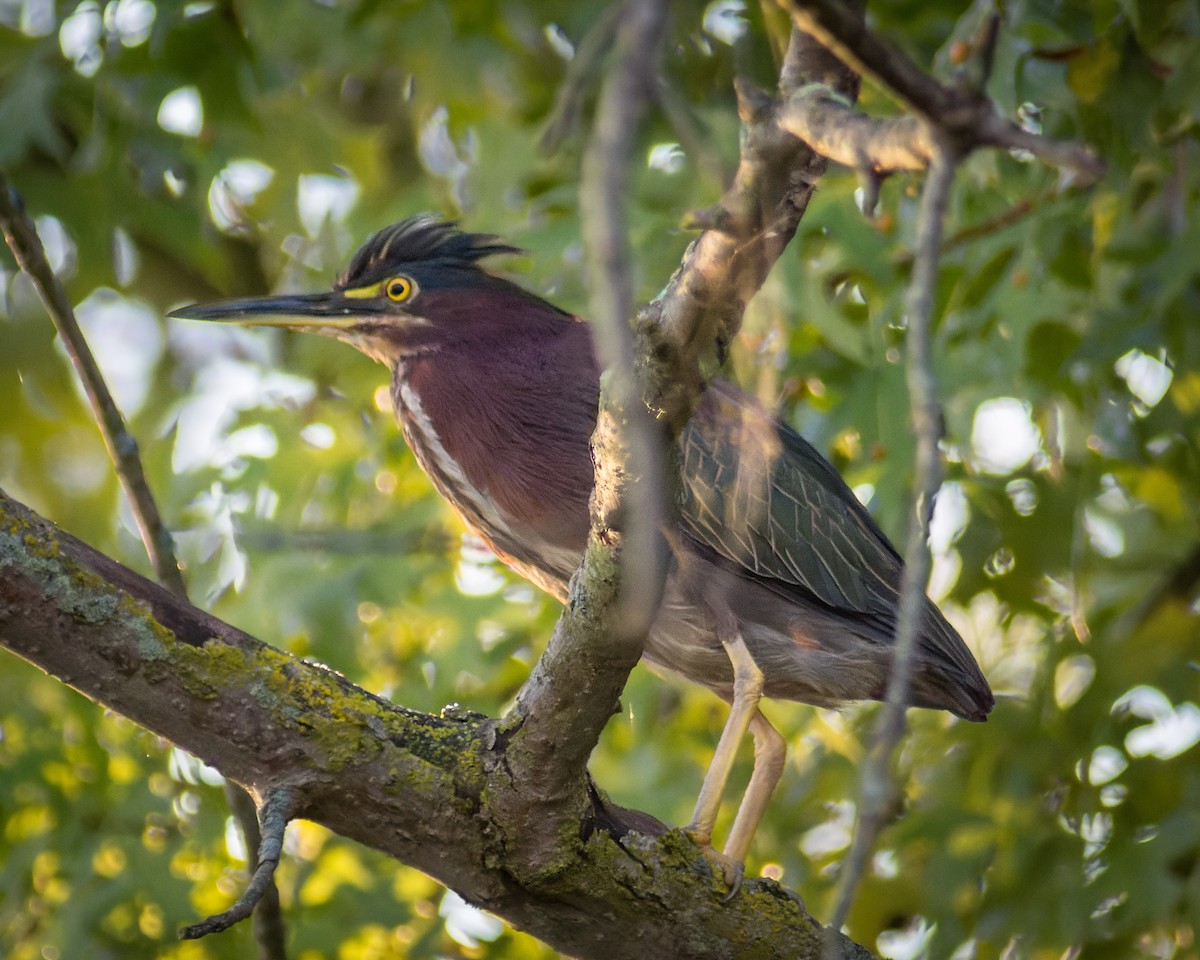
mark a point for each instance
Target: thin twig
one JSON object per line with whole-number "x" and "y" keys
{"x": 950, "y": 122}
{"x": 122, "y": 448}
{"x": 273, "y": 815}
{"x": 568, "y": 698}
{"x": 581, "y": 69}
{"x": 261, "y": 537}
{"x": 1075, "y": 158}
{"x": 1001, "y": 221}
{"x": 903, "y": 259}
{"x": 845, "y": 32}
{"x": 876, "y": 785}
{"x": 270, "y": 932}
{"x": 692, "y": 136}
{"x": 1179, "y": 587}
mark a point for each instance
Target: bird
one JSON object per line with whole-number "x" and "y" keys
{"x": 781, "y": 584}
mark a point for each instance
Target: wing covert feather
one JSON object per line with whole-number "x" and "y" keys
{"x": 760, "y": 495}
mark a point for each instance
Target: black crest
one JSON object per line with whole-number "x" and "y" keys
{"x": 424, "y": 240}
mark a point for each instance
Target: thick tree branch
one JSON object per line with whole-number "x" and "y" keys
{"x": 756, "y": 219}
{"x": 834, "y": 129}
{"x": 411, "y": 785}
{"x": 575, "y": 686}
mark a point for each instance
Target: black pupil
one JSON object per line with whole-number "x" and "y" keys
{"x": 397, "y": 288}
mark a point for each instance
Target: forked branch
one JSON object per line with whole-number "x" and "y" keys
{"x": 964, "y": 115}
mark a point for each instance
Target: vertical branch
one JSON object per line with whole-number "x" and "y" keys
{"x": 22, "y": 237}
{"x": 875, "y": 798}
{"x": 567, "y": 700}
{"x": 628, "y": 446}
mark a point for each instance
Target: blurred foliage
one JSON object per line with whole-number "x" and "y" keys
{"x": 176, "y": 151}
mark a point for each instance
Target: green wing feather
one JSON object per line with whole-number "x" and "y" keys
{"x": 759, "y": 494}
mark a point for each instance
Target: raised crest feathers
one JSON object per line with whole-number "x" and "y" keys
{"x": 422, "y": 239}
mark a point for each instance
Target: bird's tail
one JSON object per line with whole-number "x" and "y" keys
{"x": 946, "y": 676}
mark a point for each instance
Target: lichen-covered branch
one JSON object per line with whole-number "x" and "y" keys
{"x": 408, "y": 784}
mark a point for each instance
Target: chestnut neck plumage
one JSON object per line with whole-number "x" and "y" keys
{"x": 498, "y": 402}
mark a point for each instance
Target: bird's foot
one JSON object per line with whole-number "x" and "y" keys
{"x": 732, "y": 870}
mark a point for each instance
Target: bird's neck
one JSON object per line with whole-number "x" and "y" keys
{"x": 503, "y": 433}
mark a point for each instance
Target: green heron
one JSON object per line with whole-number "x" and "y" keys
{"x": 781, "y": 583}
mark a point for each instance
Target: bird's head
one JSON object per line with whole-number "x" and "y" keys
{"x": 413, "y": 288}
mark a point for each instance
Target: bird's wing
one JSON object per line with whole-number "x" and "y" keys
{"x": 759, "y": 494}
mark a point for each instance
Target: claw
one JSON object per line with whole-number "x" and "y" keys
{"x": 732, "y": 870}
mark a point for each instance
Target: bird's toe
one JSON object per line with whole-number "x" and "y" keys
{"x": 732, "y": 870}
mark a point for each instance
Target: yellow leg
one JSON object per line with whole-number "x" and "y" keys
{"x": 770, "y": 752}
{"x": 747, "y": 691}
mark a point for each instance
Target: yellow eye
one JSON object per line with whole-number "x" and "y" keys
{"x": 399, "y": 289}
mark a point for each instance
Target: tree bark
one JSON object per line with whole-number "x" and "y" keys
{"x": 411, "y": 785}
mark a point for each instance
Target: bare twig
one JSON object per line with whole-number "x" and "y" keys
{"x": 639, "y": 491}
{"x": 260, "y": 536}
{"x": 581, "y": 70}
{"x": 1179, "y": 587}
{"x": 273, "y": 817}
{"x": 845, "y": 32}
{"x": 950, "y": 122}
{"x": 1001, "y": 221}
{"x": 1006, "y": 218}
{"x": 122, "y": 447}
{"x": 876, "y": 789}
{"x": 692, "y": 136}
{"x": 270, "y": 931}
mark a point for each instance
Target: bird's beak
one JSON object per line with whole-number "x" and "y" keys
{"x": 331, "y": 312}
